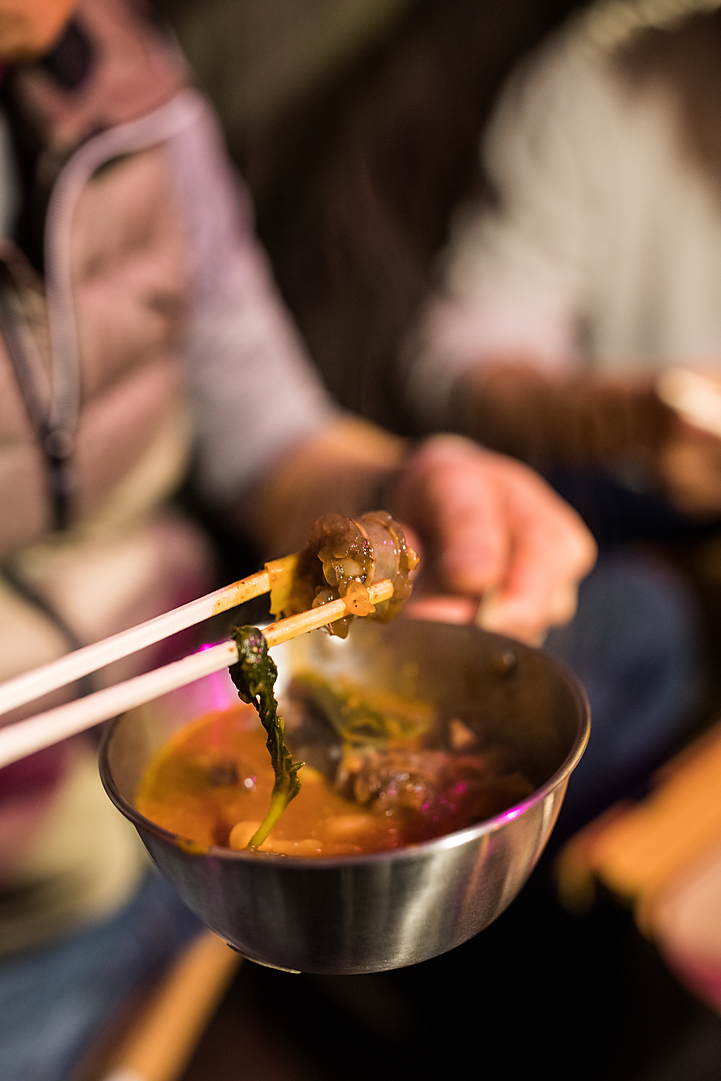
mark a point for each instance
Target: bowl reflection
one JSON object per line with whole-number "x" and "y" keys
{"x": 368, "y": 913}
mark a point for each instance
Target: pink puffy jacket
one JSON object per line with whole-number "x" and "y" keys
{"x": 144, "y": 326}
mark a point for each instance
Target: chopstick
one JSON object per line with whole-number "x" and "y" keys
{"x": 44, "y": 729}
{"x": 30, "y": 685}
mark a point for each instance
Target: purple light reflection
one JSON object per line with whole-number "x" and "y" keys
{"x": 218, "y": 684}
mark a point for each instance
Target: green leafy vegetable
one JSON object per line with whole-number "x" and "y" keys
{"x": 359, "y": 716}
{"x": 254, "y": 676}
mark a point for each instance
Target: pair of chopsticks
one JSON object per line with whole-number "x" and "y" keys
{"x": 44, "y": 729}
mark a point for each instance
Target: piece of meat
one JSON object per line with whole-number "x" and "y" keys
{"x": 342, "y": 558}
{"x": 435, "y": 784}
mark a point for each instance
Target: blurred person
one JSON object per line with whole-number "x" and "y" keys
{"x": 142, "y": 340}
{"x": 354, "y": 171}
{"x": 354, "y": 186}
{"x": 593, "y": 263}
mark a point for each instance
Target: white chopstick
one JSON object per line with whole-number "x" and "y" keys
{"x": 33, "y": 734}
{"x": 30, "y": 685}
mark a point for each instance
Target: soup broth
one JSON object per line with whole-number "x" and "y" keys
{"x": 211, "y": 785}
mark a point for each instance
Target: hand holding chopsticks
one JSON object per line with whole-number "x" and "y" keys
{"x": 44, "y": 729}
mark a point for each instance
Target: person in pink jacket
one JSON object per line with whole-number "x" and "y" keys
{"x": 142, "y": 341}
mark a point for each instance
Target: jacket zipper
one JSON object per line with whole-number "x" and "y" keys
{"x": 60, "y": 430}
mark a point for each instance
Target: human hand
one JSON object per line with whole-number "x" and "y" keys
{"x": 689, "y": 460}
{"x": 493, "y": 535}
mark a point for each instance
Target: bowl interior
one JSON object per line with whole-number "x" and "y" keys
{"x": 514, "y": 696}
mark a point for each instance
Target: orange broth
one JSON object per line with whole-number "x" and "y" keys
{"x": 212, "y": 782}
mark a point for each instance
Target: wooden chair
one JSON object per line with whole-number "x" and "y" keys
{"x": 154, "y": 1036}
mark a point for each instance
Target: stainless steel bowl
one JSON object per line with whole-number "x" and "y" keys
{"x": 385, "y": 910}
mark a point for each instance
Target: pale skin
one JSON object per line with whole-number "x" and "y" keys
{"x": 491, "y": 533}
{"x": 496, "y": 534}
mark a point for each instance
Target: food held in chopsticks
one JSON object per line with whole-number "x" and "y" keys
{"x": 342, "y": 558}
{"x": 368, "y": 547}
{"x": 254, "y": 676}
{"x": 361, "y": 592}
{"x": 381, "y": 771}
